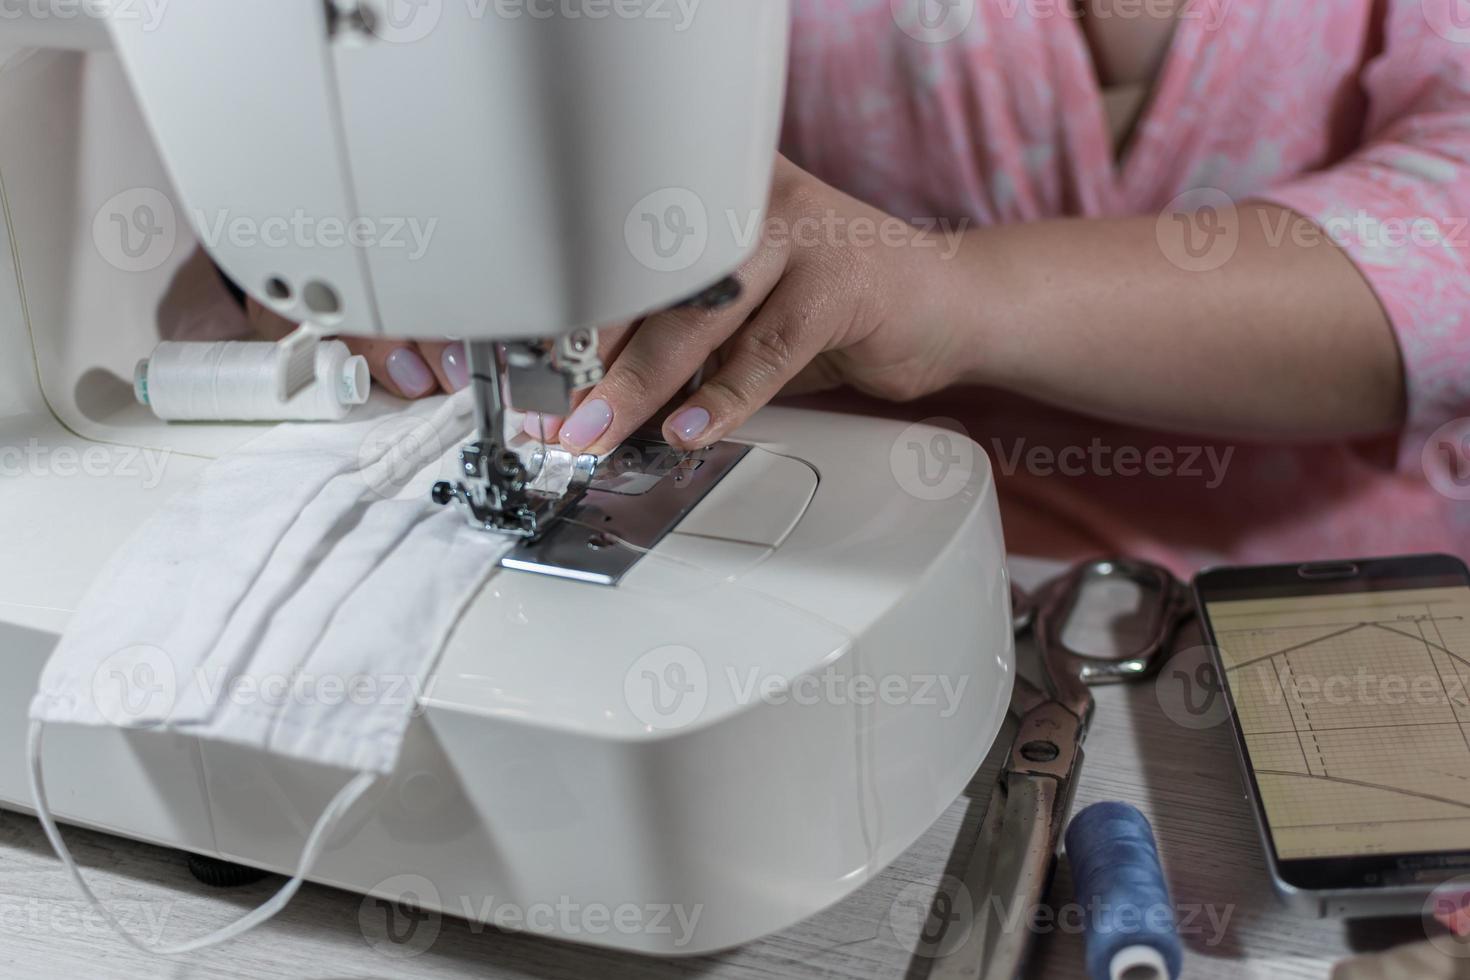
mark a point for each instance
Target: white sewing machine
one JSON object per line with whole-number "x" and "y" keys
{"x": 739, "y": 726}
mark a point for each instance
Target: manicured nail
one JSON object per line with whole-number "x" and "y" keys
{"x": 456, "y": 366}
{"x": 540, "y": 426}
{"x": 587, "y": 423}
{"x": 409, "y": 372}
{"x": 689, "y": 424}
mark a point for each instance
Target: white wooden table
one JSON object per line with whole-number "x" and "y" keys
{"x": 1186, "y": 780}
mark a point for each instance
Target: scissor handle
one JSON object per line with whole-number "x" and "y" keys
{"x": 1054, "y": 609}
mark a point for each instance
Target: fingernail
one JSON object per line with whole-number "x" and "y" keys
{"x": 540, "y": 426}
{"x": 456, "y": 366}
{"x": 689, "y": 424}
{"x": 409, "y": 372}
{"x": 587, "y": 423}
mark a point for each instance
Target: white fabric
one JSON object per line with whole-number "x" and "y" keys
{"x": 293, "y": 600}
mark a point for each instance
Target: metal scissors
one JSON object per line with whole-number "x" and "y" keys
{"x": 1015, "y": 853}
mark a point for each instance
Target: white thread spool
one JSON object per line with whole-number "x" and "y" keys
{"x": 236, "y": 381}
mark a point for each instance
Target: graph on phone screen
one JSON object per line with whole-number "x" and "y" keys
{"x": 1356, "y": 716}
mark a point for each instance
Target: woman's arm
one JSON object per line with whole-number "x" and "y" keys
{"x": 1113, "y": 318}
{"x": 1281, "y": 339}
{"x": 1285, "y": 340}
{"x": 1296, "y": 334}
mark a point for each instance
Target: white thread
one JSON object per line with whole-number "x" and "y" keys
{"x": 238, "y": 381}
{"x": 341, "y": 803}
{"x": 1138, "y": 963}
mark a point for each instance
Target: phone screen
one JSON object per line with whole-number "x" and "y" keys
{"x": 1351, "y": 699}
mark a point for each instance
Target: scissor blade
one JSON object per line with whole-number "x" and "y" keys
{"x": 1005, "y": 882}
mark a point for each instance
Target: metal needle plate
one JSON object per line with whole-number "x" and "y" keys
{"x": 640, "y": 495}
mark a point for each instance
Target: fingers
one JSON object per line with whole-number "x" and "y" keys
{"x": 542, "y": 428}
{"x": 660, "y": 357}
{"x": 397, "y": 365}
{"x": 449, "y": 363}
{"x": 456, "y": 363}
{"x": 610, "y": 343}
{"x": 772, "y": 350}
{"x": 664, "y": 353}
{"x": 405, "y": 368}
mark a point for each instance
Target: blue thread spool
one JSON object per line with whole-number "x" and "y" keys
{"x": 1119, "y": 881}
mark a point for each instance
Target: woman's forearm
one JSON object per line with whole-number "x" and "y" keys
{"x": 1285, "y": 340}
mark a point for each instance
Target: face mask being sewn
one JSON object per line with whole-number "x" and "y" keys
{"x": 295, "y": 565}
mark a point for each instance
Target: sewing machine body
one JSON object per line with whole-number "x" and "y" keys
{"x": 766, "y": 709}
{"x": 756, "y": 721}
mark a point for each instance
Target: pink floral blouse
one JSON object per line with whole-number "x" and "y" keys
{"x": 1354, "y": 113}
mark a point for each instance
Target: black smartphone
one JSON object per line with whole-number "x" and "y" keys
{"x": 1348, "y": 684}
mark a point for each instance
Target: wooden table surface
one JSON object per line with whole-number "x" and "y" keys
{"x": 1183, "y": 776}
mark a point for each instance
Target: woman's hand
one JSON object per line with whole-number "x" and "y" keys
{"x": 409, "y": 369}
{"x": 838, "y": 293}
